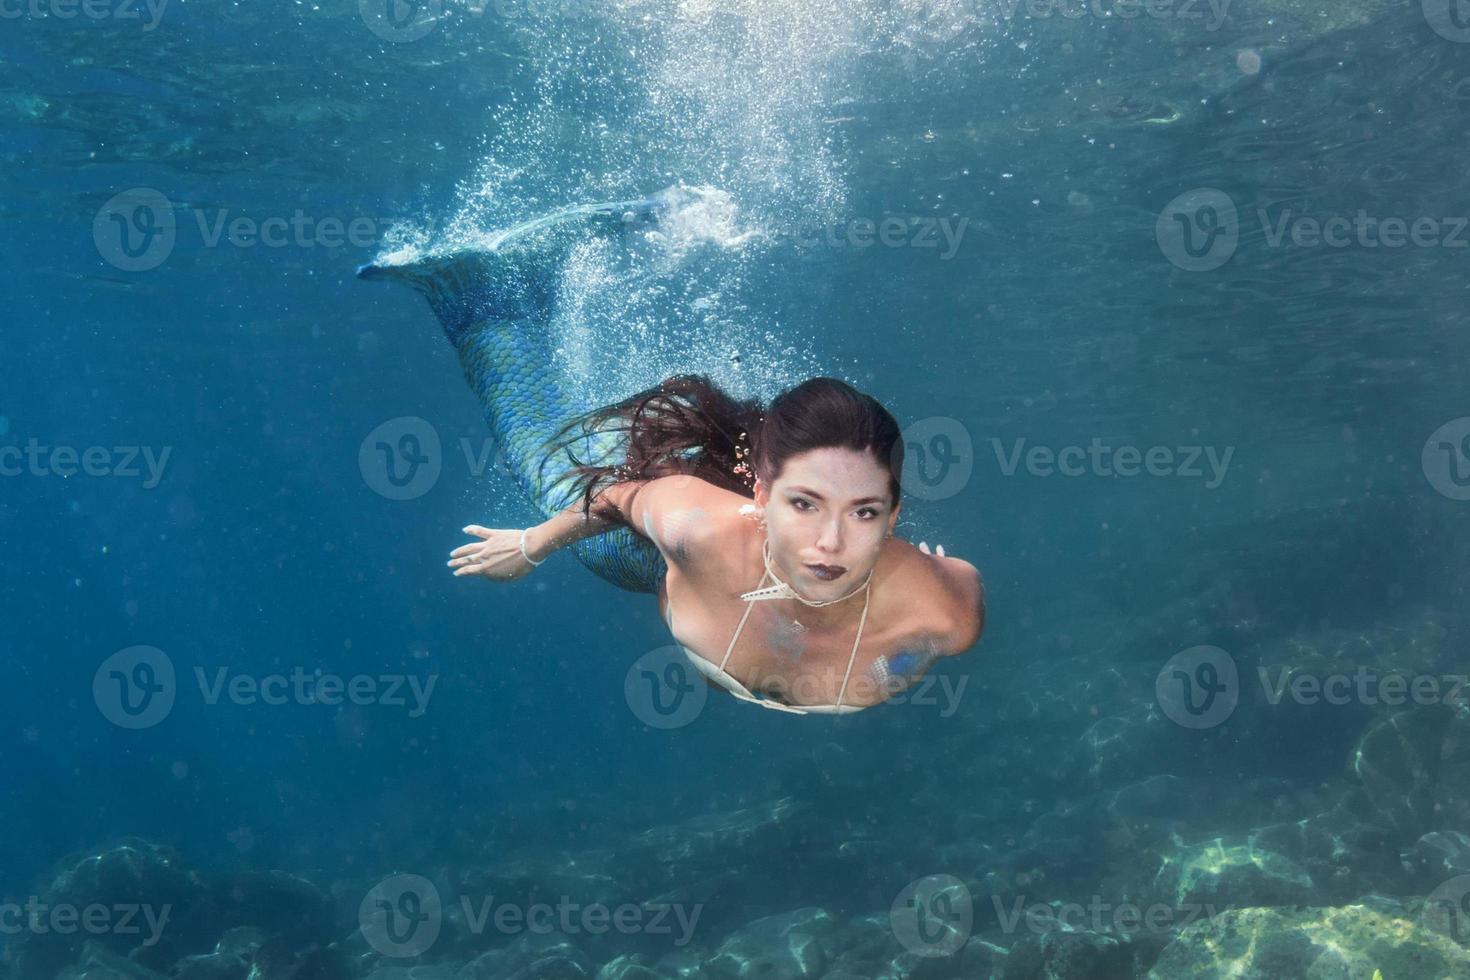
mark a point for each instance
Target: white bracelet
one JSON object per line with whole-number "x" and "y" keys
{"x": 523, "y": 549}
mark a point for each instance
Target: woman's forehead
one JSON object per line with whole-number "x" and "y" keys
{"x": 848, "y": 470}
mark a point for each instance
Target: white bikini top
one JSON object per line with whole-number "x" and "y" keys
{"x": 779, "y": 591}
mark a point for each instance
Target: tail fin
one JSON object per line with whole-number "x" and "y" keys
{"x": 512, "y": 276}
{"x": 466, "y": 286}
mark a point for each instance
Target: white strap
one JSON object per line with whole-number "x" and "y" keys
{"x": 853, "y": 658}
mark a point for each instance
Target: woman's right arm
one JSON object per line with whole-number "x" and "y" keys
{"x": 498, "y": 553}
{"x": 676, "y": 513}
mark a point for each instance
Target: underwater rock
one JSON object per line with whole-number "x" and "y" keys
{"x": 280, "y": 905}
{"x": 1343, "y": 849}
{"x": 1066, "y": 954}
{"x": 1217, "y": 875}
{"x": 1398, "y": 761}
{"x": 211, "y": 966}
{"x": 778, "y": 947}
{"x": 165, "y": 905}
{"x": 555, "y": 967}
{"x": 1438, "y": 855}
{"x": 1349, "y": 942}
{"x": 532, "y": 955}
{"x": 412, "y": 973}
{"x": 97, "y": 962}
{"x": 240, "y": 941}
{"x": 282, "y": 960}
{"x": 629, "y": 968}
{"x": 869, "y": 947}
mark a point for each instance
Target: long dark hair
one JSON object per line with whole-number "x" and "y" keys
{"x": 687, "y": 424}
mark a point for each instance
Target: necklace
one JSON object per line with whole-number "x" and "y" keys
{"x": 782, "y": 590}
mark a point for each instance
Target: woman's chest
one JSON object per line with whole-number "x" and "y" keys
{"x": 771, "y": 651}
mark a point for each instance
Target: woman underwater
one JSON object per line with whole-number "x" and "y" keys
{"x": 767, "y": 534}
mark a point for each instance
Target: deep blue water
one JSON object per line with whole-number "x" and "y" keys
{"x": 1069, "y": 310}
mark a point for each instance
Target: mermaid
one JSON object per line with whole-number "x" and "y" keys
{"x": 687, "y": 493}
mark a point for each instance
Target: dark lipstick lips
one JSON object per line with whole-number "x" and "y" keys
{"x": 827, "y": 572}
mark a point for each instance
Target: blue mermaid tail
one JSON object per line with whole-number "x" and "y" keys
{"x": 495, "y": 301}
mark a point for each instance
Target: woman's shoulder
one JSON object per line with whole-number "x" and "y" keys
{"x": 951, "y": 614}
{"x": 693, "y": 522}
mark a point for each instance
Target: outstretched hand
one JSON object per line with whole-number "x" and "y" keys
{"x": 496, "y": 556}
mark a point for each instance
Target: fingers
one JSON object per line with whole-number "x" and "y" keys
{"x": 941, "y": 550}
{"x": 924, "y": 547}
{"x": 483, "y": 532}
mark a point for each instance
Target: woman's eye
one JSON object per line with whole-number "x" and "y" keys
{"x": 797, "y": 503}
{"x": 870, "y": 512}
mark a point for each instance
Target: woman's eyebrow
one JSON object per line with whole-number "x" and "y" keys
{"x": 812, "y": 493}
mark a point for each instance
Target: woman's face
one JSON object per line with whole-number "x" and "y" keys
{"x": 830, "y": 507}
